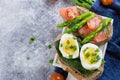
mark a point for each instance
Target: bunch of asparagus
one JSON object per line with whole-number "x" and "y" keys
{"x": 84, "y": 3}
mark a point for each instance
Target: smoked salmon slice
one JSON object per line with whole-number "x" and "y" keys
{"x": 101, "y": 37}
{"x": 93, "y": 23}
{"x": 69, "y": 13}
{"x": 91, "y": 26}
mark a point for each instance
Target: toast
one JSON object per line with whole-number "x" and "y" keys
{"x": 76, "y": 73}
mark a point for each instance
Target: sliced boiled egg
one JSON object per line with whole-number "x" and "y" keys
{"x": 69, "y": 46}
{"x": 91, "y": 56}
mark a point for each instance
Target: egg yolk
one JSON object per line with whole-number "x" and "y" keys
{"x": 69, "y": 46}
{"x": 91, "y": 55}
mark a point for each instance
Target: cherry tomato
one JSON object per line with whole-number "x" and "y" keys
{"x": 56, "y": 76}
{"x": 107, "y": 2}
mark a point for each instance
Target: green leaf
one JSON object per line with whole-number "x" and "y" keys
{"x": 51, "y": 61}
{"x": 49, "y": 46}
{"x": 94, "y": 53}
{"x": 70, "y": 56}
{"x": 97, "y": 50}
{"x": 61, "y": 45}
{"x": 74, "y": 38}
{"x": 103, "y": 61}
{"x": 32, "y": 39}
{"x": 87, "y": 54}
{"x": 96, "y": 59}
{"x": 85, "y": 49}
{"x": 99, "y": 69}
{"x": 74, "y": 47}
{"x": 28, "y": 58}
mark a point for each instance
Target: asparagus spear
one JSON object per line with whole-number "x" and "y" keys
{"x": 79, "y": 25}
{"x": 72, "y": 22}
{"x": 100, "y": 28}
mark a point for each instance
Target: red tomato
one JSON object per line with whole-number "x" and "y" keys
{"x": 93, "y": 23}
{"x": 107, "y": 2}
{"x": 56, "y": 76}
{"x": 69, "y": 13}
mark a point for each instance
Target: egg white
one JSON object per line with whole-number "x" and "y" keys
{"x": 87, "y": 65}
{"x": 63, "y": 38}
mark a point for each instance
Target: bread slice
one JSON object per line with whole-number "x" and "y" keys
{"x": 76, "y": 73}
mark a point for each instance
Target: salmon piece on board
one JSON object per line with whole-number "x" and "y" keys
{"x": 91, "y": 26}
{"x": 100, "y": 37}
{"x": 69, "y": 13}
{"x": 93, "y": 23}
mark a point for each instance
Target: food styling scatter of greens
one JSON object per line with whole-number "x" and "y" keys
{"x": 84, "y": 3}
{"x": 51, "y": 61}
{"x": 28, "y": 58}
{"x": 49, "y": 46}
{"x": 32, "y": 39}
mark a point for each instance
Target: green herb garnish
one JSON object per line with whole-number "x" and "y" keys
{"x": 87, "y": 54}
{"x": 94, "y": 53}
{"x": 96, "y": 59}
{"x": 49, "y": 46}
{"x": 85, "y": 49}
{"x": 51, "y": 61}
{"x": 70, "y": 56}
{"x": 103, "y": 61}
{"x": 32, "y": 39}
{"x": 99, "y": 69}
{"x": 73, "y": 47}
{"x": 74, "y": 38}
{"x": 97, "y": 50}
{"x": 61, "y": 45}
{"x": 28, "y": 58}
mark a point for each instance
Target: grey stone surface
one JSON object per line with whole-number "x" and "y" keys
{"x": 20, "y": 20}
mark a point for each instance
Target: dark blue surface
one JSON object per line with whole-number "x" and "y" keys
{"x": 112, "y": 57}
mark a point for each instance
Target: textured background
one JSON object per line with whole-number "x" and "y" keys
{"x": 20, "y": 20}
